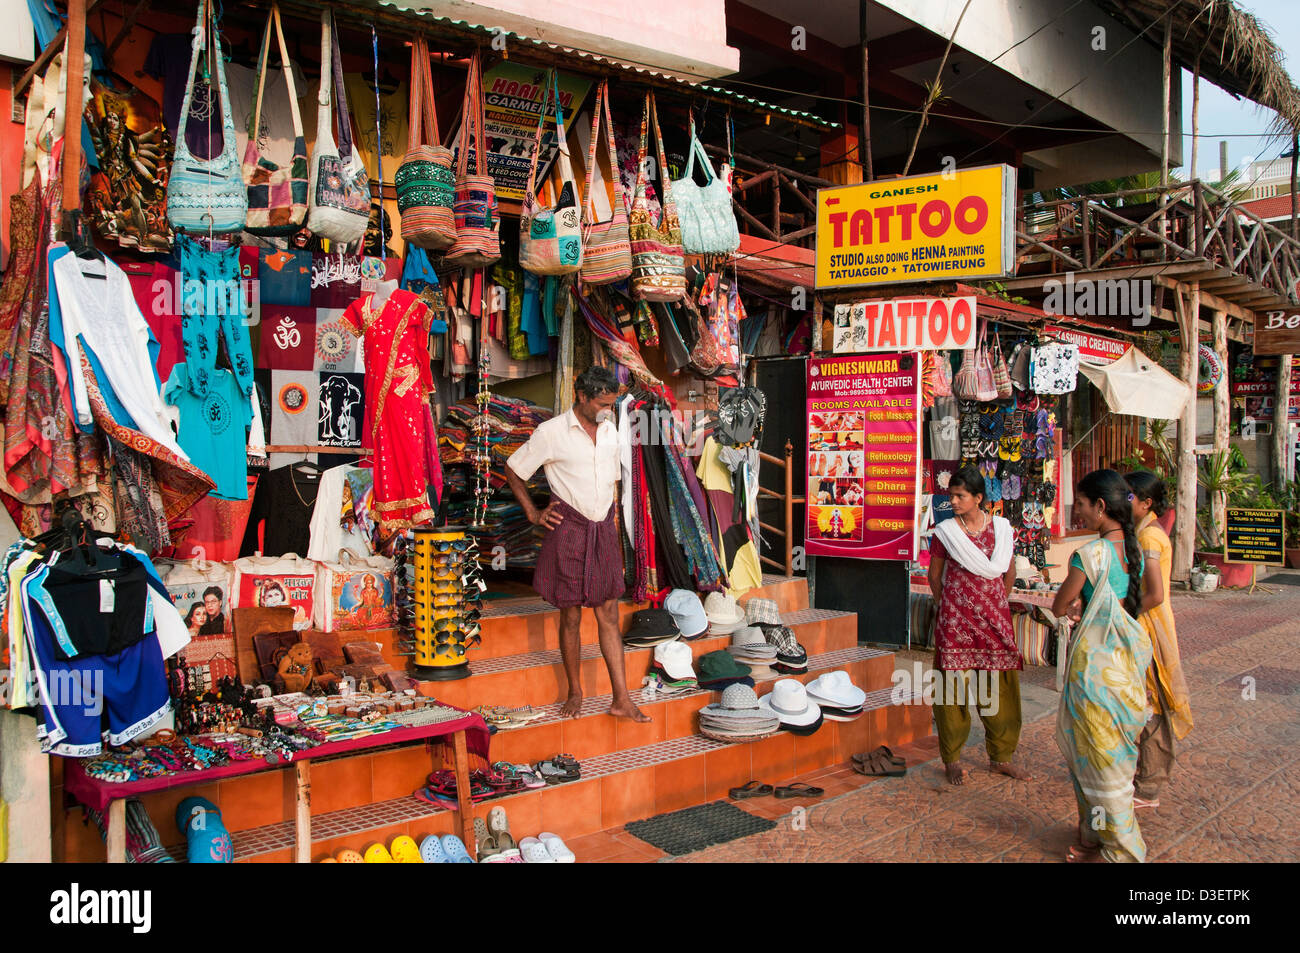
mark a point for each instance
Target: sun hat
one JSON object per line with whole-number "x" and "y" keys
{"x": 837, "y": 690}
{"x": 840, "y": 714}
{"x": 650, "y": 627}
{"x": 724, "y": 615}
{"x": 762, "y": 612}
{"x": 687, "y": 612}
{"x": 737, "y": 715}
{"x": 720, "y": 666}
{"x": 783, "y": 639}
{"x": 748, "y": 642}
{"x": 789, "y": 701}
{"x": 675, "y": 659}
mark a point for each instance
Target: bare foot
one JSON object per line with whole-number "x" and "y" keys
{"x": 625, "y": 709}
{"x": 572, "y": 706}
{"x": 956, "y": 772}
{"x": 1010, "y": 770}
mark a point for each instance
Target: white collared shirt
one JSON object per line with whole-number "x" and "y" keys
{"x": 580, "y": 472}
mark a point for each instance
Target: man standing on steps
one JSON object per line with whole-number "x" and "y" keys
{"x": 581, "y": 562}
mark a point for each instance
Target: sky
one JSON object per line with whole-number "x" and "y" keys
{"x": 1221, "y": 114}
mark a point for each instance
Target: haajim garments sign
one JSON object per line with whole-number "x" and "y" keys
{"x": 915, "y": 324}
{"x": 921, "y": 228}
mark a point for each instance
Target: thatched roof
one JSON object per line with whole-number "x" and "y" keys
{"x": 1237, "y": 53}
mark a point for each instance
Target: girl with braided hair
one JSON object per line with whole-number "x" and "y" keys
{"x": 1104, "y": 704}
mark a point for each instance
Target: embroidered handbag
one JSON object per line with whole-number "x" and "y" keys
{"x": 658, "y": 262}
{"x": 277, "y": 195}
{"x": 426, "y": 193}
{"x": 478, "y": 226}
{"x": 942, "y": 378}
{"x": 1001, "y": 376}
{"x": 207, "y": 195}
{"x": 707, "y": 220}
{"x": 550, "y": 239}
{"x": 606, "y": 252}
{"x": 340, "y": 189}
{"x": 964, "y": 384}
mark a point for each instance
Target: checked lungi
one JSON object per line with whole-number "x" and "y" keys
{"x": 581, "y": 562}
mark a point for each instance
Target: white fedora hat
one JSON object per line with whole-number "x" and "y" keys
{"x": 723, "y": 613}
{"x": 789, "y": 701}
{"x": 837, "y": 690}
{"x": 675, "y": 659}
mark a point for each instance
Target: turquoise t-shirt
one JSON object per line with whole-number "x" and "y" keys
{"x": 1118, "y": 575}
{"x": 214, "y": 429}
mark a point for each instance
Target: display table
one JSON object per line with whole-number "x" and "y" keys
{"x": 1029, "y": 597}
{"x": 467, "y": 734}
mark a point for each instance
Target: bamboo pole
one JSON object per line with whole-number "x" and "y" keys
{"x": 1189, "y": 306}
{"x": 864, "y": 134}
{"x": 1219, "y": 324}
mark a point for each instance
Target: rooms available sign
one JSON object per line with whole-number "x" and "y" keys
{"x": 921, "y": 228}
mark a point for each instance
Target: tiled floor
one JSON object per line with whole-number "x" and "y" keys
{"x": 1232, "y": 796}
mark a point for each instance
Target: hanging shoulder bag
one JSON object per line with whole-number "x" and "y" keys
{"x": 986, "y": 389}
{"x": 340, "y": 189}
{"x": 207, "y": 195}
{"x": 550, "y": 239}
{"x": 1001, "y": 374}
{"x": 658, "y": 261}
{"x": 478, "y": 224}
{"x": 707, "y": 219}
{"x": 426, "y": 193}
{"x": 606, "y": 253}
{"x": 277, "y": 195}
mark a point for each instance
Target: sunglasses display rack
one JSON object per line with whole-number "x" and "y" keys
{"x": 439, "y": 611}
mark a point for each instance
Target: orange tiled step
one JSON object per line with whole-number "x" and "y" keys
{"x": 596, "y": 733}
{"x": 615, "y": 788}
{"x": 537, "y": 678}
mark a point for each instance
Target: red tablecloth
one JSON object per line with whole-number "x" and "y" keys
{"x": 96, "y": 794}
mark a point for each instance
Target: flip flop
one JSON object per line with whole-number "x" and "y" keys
{"x": 535, "y": 851}
{"x": 484, "y": 843}
{"x": 750, "y": 789}
{"x": 500, "y": 828}
{"x": 799, "y": 789}
{"x": 404, "y": 850}
{"x": 378, "y": 854}
{"x": 530, "y": 778}
{"x": 555, "y": 772}
{"x": 454, "y": 850}
{"x": 349, "y": 856}
{"x": 431, "y": 851}
{"x": 558, "y": 850}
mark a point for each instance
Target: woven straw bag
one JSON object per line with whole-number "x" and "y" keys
{"x": 606, "y": 250}
{"x": 426, "y": 194}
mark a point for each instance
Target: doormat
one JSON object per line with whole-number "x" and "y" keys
{"x": 1281, "y": 579}
{"x": 695, "y": 828}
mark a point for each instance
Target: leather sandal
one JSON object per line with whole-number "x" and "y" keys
{"x": 749, "y": 790}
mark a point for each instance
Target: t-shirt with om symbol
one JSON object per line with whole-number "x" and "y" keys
{"x": 214, "y": 429}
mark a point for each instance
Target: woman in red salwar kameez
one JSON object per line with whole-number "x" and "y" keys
{"x": 399, "y": 428}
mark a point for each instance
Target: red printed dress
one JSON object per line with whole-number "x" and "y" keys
{"x": 398, "y": 427}
{"x": 973, "y": 630}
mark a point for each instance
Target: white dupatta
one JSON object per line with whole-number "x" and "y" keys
{"x": 963, "y": 549}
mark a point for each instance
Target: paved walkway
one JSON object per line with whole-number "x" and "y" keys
{"x": 1234, "y": 795}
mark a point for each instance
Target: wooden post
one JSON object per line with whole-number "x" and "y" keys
{"x": 864, "y": 134}
{"x": 1196, "y": 110}
{"x": 1282, "y": 421}
{"x": 302, "y": 812}
{"x": 1221, "y": 410}
{"x": 74, "y": 71}
{"x": 460, "y": 754}
{"x": 789, "y": 509}
{"x": 1189, "y": 307}
{"x": 1164, "y": 132}
{"x": 116, "y": 839}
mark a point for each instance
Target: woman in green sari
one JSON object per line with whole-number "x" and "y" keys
{"x": 1104, "y": 703}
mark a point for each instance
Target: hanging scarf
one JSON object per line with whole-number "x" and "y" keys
{"x": 963, "y": 549}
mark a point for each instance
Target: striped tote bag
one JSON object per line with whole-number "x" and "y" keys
{"x": 606, "y": 251}
{"x": 658, "y": 261}
{"x": 478, "y": 224}
{"x": 426, "y": 194}
{"x": 277, "y": 195}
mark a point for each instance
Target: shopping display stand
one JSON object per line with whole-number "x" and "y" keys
{"x": 110, "y": 797}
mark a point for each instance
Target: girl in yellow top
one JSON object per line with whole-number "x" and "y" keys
{"x": 1166, "y": 686}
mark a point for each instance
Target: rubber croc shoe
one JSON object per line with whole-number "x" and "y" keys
{"x": 404, "y": 850}
{"x": 499, "y": 828}
{"x": 535, "y": 851}
{"x": 484, "y": 843}
{"x": 349, "y": 856}
{"x": 378, "y": 854}
{"x": 208, "y": 841}
{"x": 558, "y": 850}
{"x": 432, "y": 852}
{"x": 454, "y": 849}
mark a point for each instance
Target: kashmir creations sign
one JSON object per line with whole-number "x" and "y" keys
{"x": 921, "y": 228}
